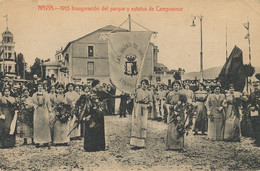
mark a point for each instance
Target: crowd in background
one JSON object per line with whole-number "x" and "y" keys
{"x": 46, "y": 111}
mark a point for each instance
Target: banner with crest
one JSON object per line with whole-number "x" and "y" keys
{"x": 127, "y": 51}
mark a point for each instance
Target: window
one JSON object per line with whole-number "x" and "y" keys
{"x": 67, "y": 57}
{"x": 9, "y": 48}
{"x": 90, "y": 51}
{"x": 9, "y": 55}
{"x": 90, "y": 68}
{"x": 9, "y": 68}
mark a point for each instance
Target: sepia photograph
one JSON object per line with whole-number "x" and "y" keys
{"x": 129, "y": 85}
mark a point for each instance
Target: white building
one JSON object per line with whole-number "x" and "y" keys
{"x": 7, "y": 57}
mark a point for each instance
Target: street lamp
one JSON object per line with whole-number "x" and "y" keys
{"x": 201, "y": 52}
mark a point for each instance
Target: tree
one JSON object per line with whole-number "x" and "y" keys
{"x": 177, "y": 76}
{"x": 36, "y": 68}
{"x": 21, "y": 65}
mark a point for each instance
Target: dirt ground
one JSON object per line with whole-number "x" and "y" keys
{"x": 201, "y": 154}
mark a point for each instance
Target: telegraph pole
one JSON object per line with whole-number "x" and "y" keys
{"x": 129, "y": 20}
{"x": 201, "y": 51}
{"x": 201, "y": 45}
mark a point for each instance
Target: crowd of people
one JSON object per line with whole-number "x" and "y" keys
{"x": 55, "y": 114}
{"x": 220, "y": 114}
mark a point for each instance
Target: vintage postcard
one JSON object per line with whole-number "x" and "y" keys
{"x": 129, "y": 85}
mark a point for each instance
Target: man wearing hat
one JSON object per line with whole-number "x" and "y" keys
{"x": 254, "y": 101}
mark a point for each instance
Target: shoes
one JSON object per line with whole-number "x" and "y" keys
{"x": 195, "y": 133}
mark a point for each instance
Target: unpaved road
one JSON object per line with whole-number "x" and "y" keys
{"x": 201, "y": 154}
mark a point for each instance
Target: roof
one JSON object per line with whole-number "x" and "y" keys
{"x": 107, "y": 28}
{"x": 51, "y": 63}
{"x": 161, "y": 65}
{"x": 7, "y": 32}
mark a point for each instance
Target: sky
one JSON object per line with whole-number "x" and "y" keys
{"x": 40, "y": 33}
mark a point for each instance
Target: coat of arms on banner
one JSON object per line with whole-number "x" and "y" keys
{"x": 130, "y": 65}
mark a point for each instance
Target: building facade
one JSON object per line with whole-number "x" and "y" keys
{"x": 7, "y": 57}
{"x": 86, "y": 59}
{"x": 58, "y": 68}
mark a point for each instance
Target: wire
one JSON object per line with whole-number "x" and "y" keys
{"x": 120, "y": 25}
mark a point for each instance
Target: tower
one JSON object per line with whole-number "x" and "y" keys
{"x": 7, "y": 57}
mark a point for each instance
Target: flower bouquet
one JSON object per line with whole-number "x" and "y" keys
{"x": 177, "y": 114}
{"x": 25, "y": 112}
{"x": 63, "y": 112}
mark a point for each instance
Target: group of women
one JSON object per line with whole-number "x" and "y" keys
{"x": 49, "y": 117}
{"x": 215, "y": 114}
{"x": 46, "y": 118}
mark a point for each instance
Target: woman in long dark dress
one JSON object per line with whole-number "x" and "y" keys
{"x": 245, "y": 124}
{"x": 91, "y": 107}
{"x": 7, "y": 139}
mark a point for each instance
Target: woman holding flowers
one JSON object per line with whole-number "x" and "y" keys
{"x": 215, "y": 110}
{"x": 26, "y": 116}
{"x": 232, "y": 118}
{"x": 7, "y": 139}
{"x": 175, "y": 103}
{"x": 42, "y": 107}
{"x": 62, "y": 111}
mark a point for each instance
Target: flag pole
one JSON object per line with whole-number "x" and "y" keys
{"x": 140, "y": 75}
{"x": 249, "y": 47}
{"x": 226, "y": 44}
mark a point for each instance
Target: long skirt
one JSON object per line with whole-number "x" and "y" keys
{"x": 6, "y": 140}
{"x": 246, "y": 125}
{"x": 61, "y": 132}
{"x": 26, "y": 131}
{"x": 256, "y": 128}
{"x": 232, "y": 125}
{"x": 41, "y": 128}
{"x": 139, "y": 125}
{"x": 216, "y": 128}
{"x": 174, "y": 140}
{"x": 94, "y": 135}
{"x": 26, "y": 126}
{"x": 201, "y": 119}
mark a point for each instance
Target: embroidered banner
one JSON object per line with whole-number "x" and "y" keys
{"x": 127, "y": 51}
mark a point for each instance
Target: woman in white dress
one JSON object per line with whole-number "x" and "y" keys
{"x": 41, "y": 127}
{"x": 143, "y": 100}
